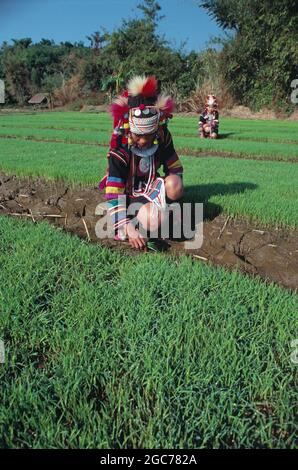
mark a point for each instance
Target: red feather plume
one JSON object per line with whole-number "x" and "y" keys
{"x": 119, "y": 107}
{"x": 169, "y": 106}
{"x": 165, "y": 104}
{"x": 150, "y": 87}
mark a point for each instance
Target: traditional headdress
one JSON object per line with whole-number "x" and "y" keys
{"x": 139, "y": 109}
{"x": 211, "y": 101}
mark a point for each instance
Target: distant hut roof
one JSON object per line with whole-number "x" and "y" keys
{"x": 38, "y": 98}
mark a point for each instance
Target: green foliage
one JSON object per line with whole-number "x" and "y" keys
{"x": 241, "y": 140}
{"x": 144, "y": 368}
{"x": 51, "y": 82}
{"x": 99, "y": 357}
{"x": 265, "y": 191}
{"x": 111, "y": 59}
{"x": 97, "y": 40}
{"x": 261, "y": 60}
{"x": 136, "y": 49}
{"x": 16, "y": 73}
{"x": 256, "y": 64}
{"x": 30, "y": 68}
{"x": 150, "y": 9}
{"x": 92, "y": 74}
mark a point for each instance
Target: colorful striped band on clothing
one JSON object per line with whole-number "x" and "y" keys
{"x": 114, "y": 179}
{"x": 117, "y": 212}
{"x": 114, "y": 187}
{"x": 114, "y": 190}
{"x": 176, "y": 164}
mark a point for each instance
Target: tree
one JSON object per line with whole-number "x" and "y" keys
{"x": 112, "y": 84}
{"x": 50, "y": 83}
{"x": 150, "y": 9}
{"x": 261, "y": 58}
{"x": 22, "y": 43}
{"x": 135, "y": 48}
{"x": 97, "y": 40}
{"x": 111, "y": 59}
{"x": 17, "y": 75}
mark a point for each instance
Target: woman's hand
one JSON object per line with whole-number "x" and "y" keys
{"x": 134, "y": 237}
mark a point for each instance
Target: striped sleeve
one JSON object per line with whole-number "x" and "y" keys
{"x": 172, "y": 164}
{"x": 115, "y": 188}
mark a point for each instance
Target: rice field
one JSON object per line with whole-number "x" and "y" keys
{"x": 110, "y": 351}
{"x": 96, "y": 129}
{"x": 266, "y": 192}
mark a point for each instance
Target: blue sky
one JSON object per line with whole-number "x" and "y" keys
{"x": 73, "y": 20}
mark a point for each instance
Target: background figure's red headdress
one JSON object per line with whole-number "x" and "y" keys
{"x": 211, "y": 101}
{"x": 139, "y": 109}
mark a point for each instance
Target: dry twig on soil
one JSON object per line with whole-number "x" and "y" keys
{"x": 223, "y": 227}
{"x": 87, "y": 231}
{"x": 32, "y": 215}
{"x": 200, "y": 257}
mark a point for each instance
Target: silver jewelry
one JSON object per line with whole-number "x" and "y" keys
{"x": 146, "y": 152}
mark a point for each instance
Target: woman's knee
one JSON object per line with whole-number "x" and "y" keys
{"x": 174, "y": 187}
{"x": 149, "y": 217}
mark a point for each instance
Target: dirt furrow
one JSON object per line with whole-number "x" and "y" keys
{"x": 232, "y": 243}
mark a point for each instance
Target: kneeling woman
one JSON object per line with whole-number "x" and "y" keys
{"x": 209, "y": 119}
{"x": 141, "y": 144}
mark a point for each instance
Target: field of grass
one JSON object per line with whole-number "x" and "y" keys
{"x": 108, "y": 351}
{"x": 243, "y": 129}
{"x": 238, "y": 141}
{"x": 105, "y": 350}
{"x": 280, "y": 130}
{"x": 262, "y": 191}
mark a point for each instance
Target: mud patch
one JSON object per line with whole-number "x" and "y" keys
{"x": 232, "y": 243}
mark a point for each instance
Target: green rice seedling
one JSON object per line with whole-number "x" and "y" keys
{"x": 107, "y": 351}
{"x": 262, "y": 191}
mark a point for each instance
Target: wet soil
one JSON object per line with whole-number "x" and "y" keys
{"x": 229, "y": 242}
